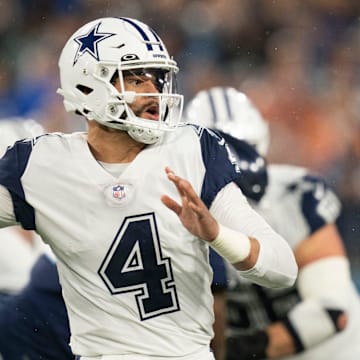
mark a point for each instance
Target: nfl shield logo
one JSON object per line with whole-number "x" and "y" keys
{"x": 118, "y": 191}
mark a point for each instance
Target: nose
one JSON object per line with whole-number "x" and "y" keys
{"x": 150, "y": 86}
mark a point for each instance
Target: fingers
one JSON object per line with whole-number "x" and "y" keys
{"x": 175, "y": 179}
{"x": 171, "y": 204}
{"x": 185, "y": 189}
{"x": 189, "y": 199}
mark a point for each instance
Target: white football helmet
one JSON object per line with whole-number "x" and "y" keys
{"x": 106, "y": 48}
{"x": 14, "y": 129}
{"x": 229, "y": 111}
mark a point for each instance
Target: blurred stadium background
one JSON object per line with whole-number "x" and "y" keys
{"x": 298, "y": 60}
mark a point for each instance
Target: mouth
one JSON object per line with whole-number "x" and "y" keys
{"x": 151, "y": 112}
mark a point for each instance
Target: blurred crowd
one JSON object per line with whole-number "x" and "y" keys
{"x": 298, "y": 60}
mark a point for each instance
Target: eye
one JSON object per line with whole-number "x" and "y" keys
{"x": 137, "y": 80}
{"x": 134, "y": 81}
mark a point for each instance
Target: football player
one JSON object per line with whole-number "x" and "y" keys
{"x": 34, "y": 323}
{"x": 19, "y": 249}
{"x": 130, "y": 207}
{"x": 33, "y": 319}
{"x": 318, "y": 318}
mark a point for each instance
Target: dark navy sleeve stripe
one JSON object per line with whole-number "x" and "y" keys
{"x": 12, "y": 167}
{"x": 220, "y": 170}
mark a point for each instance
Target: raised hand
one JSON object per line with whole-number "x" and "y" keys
{"x": 192, "y": 212}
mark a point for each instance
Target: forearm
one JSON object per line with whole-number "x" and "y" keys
{"x": 322, "y": 314}
{"x": 269, "y": 260}
{"x": 277, "y": 341}
{"x": 275, "y": 265}
{"x": 280, "y": 343}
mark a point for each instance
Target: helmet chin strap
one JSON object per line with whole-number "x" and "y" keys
{"x": 145, "y": 136}
{"x": 141, "y": 133}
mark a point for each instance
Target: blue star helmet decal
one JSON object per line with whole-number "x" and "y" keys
{"x": 89, "y": 43}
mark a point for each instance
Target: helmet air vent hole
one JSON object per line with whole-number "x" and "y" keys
{"x": 84, "y": 89}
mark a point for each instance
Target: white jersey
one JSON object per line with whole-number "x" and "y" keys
{"x": 134, "y": 279}
{"x": 295, "y": 204}
{"x": 309, "y": 200}
{"x": 17, "y": 256}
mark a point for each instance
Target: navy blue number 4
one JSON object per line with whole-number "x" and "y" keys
{"x": 134, "y": 263}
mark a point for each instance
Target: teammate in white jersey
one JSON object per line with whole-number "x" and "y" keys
{"x": 130, "y": 235}
{"x": 18, "y": 249}
{"x": 319, "y": 318}
{"x": 33, "y": 319}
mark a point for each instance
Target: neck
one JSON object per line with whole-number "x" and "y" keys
{"x": 111, "y": 145}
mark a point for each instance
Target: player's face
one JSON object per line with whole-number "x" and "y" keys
{"x": 148, "y": 82}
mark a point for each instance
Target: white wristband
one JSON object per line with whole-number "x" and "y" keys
{"x": 231, "y": 245}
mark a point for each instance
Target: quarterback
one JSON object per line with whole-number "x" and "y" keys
{"x": 130, "y": 207}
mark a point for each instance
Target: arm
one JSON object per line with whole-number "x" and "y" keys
{"x": 250, "y": 243}
{"x": 324, "y": 275}
{"x": 320, "y": 268}
{"x": 324, "y": 281}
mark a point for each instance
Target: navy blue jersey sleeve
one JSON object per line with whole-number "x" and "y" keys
{"x": 219, "y": 271}
{"x": 221, "y": 167}
{"x": 12, "y": 167}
